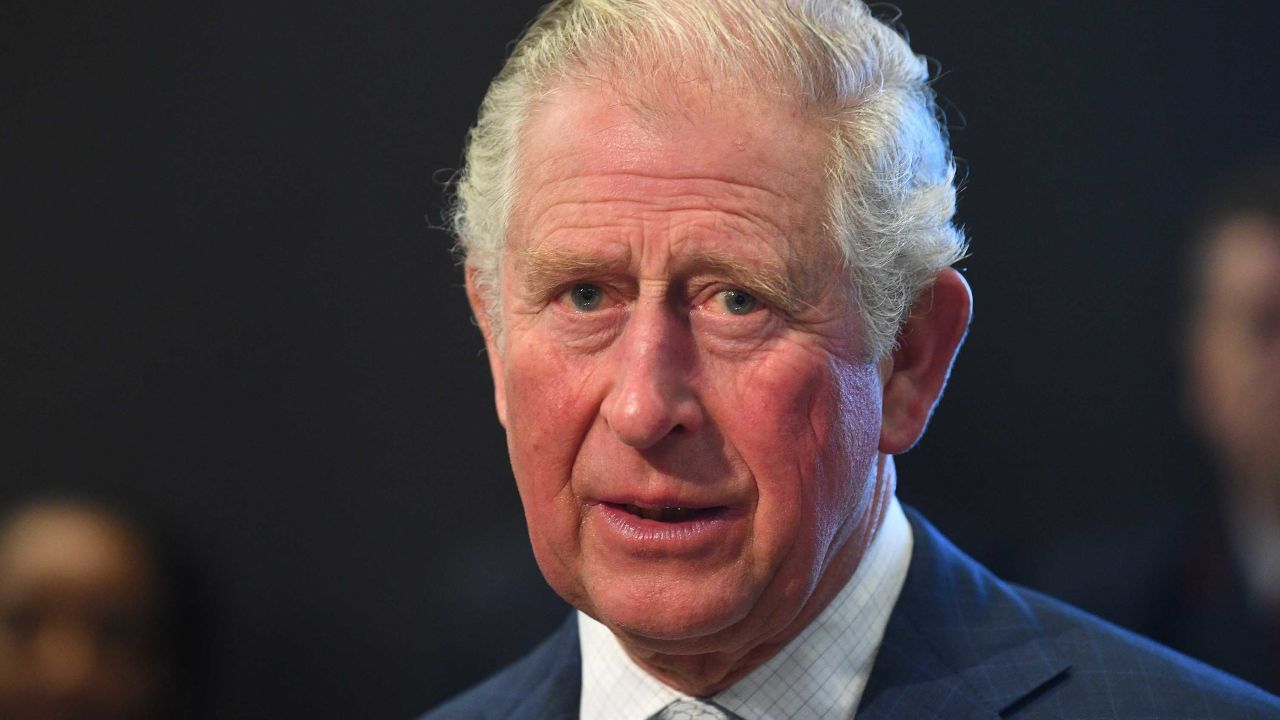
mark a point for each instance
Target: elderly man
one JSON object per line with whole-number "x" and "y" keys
{"x": 708, "y": 244}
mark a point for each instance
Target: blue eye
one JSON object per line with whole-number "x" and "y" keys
{"x": 585, "y": 298}
{"x": 739, "y": 302}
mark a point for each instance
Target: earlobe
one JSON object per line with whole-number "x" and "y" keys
{"x": 480, "y": 309}
{"x": 927, "y": 346}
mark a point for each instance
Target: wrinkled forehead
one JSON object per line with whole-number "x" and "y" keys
{"x": 679, "y": 113}
{"x": 743, "y": 175}
{"x": 593, "y": 133}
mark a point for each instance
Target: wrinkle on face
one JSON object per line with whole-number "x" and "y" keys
{"x": 547, "y": 267}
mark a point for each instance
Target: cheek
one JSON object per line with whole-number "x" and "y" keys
{"x": 810, "y": 435}
{"x": 859, "y": 395}
{"x": 549, "y": 411}
{"x": 852, "y": 451}
{"x": 1227, "y": 374}
{"x": 546, "y": 407}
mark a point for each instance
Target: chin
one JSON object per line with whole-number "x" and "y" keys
{"x": 686, "y": 616}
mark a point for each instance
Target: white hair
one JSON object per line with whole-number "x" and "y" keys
{"x": 890, "y": 176}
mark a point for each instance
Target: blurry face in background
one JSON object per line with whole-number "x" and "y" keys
{"x": 1237, "y": 349}
{"x": 77, "y": 599}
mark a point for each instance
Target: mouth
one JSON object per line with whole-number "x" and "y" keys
{"x": 649, "y": 529}
{"x": 669, "y": 514}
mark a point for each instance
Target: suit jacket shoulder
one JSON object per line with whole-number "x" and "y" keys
{"x": 546, "y": 683}
{"x": 962, "y": 643}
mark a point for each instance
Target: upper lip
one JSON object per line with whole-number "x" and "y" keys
{"x": 657, "y": 502}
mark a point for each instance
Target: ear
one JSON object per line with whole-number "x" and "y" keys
{"x": 480, "y": 309}
{"x": 918, "y": 370}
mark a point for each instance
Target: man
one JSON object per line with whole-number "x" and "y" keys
{"x": 1225, "y": 595}
{"x": 708, "y": 244}
{"x": 82, "y": 617}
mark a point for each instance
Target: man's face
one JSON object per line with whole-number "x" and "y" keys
{"x": 1237, "y": 353}
{"x": 677, "y": 335}
{"x": 77, "y": 626}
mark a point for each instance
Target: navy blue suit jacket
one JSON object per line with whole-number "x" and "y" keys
{"x": 960, "y": 643}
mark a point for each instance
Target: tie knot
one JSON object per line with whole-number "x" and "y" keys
{"x": 694, "y": 710}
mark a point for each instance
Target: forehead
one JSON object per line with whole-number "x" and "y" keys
{"x": 687, "y": 127}
{"x": 757, "y": 156}
{"x": 73, "y": 544}
{"x": 1244, "y": 256}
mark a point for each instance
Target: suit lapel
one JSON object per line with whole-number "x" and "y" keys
{"x": 959, "y": 644}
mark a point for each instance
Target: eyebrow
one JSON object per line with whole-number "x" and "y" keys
{"x": 770, "y": 280}
{"x": 545, "y": 269}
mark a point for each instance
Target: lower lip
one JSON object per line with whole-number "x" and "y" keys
{"x": 707, "y": 531}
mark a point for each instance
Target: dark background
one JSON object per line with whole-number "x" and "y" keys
{"x": 221, "y": 295}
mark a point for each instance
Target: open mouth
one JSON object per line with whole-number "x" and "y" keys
{"x": 670, "y": 514}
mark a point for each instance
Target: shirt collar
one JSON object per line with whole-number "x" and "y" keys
{"x": 820, "y": 674}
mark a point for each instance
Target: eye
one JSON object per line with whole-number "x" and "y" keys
{"x": 739, "y": 302}
{"x": 585, "y": 297}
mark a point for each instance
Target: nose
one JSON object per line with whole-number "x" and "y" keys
{"x": 652, "y": 396}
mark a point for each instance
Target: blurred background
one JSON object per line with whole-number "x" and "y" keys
{"x": 222, "y": 298}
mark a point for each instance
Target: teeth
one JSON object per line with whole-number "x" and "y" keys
{"x": 666, "y": 514}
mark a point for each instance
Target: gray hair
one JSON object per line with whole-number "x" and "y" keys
{"x": 891, "y": 196}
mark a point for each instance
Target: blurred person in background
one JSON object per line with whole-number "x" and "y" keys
{"x": 1225, "y": 607}
{"x": 89, "y": 620}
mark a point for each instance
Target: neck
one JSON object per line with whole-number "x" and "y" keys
{"x": 704, "y": 673}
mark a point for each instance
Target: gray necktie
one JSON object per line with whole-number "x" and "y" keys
{"x": 694, "y": 710}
